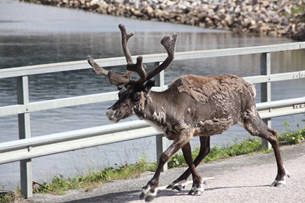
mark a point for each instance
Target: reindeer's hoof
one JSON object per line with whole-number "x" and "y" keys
{"x": 170, "y": 186}
{"x": 196, "y": 191}
{"x": 278, "y": 183}
{"x": 142, "y": 196}
{"x": 149, "y": 198}
{"x": 148, "y": 195}
{"x": 177, "y": 186}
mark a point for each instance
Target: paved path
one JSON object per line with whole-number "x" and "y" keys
{"x": 239, "y": 179}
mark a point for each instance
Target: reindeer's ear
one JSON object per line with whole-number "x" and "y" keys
{"x": 149, "y": 84}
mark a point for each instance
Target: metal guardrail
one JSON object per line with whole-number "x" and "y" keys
{"x": 24, "y": 150}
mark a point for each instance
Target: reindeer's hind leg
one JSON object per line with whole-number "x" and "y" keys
{"x": 197, "y": 188}
{"x": 204, "y": 150}
{"x": 257, "y": 127}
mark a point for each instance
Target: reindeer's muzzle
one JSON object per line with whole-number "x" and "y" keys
{"x": 112, "y": 115}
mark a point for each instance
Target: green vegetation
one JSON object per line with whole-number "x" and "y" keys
{"x": 297, "y": 11}
{"x": 8, "y": 196}
{"x": 60, "y": 184}
{"x": 248, "y": 146}
{"x": 292, "y": 137}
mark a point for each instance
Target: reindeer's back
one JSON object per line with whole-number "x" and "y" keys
{"x": 205, "y": 88}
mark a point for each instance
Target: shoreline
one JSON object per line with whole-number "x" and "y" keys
{"x": 266, "y": 18}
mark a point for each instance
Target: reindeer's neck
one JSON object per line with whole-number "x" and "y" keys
{"x": 158, "y": 111}
{"x": 153, "y": 108}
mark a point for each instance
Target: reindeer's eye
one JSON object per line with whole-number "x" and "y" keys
{"x": 136, "y": 96}
{"x": 121, "y": 94}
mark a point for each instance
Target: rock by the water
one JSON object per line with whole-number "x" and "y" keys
{"x": 274, "y": 18}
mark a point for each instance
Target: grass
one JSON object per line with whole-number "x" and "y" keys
{"x": 238, "y": 148}
{"x": 60, "y": 184}
{"x": 292, "y": 137}
{"x": 93, "y": 179}
{"x": 8, "y": 196}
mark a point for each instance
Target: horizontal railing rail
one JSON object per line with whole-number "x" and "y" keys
{"x": 78, "y": 139}
{"x": 109, "y": 96}
{"x": 32, "y": 147}
{"x": 108, "y": 134}
{"x": 116, "y": 61}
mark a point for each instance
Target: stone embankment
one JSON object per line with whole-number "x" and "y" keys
{"x": 276, "y": 18}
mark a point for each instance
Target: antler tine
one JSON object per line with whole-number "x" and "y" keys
{"x": 96, "y": 68}
{"x": 125, "y": 37}
{"x": 139, "y": 68}
{"x": 169, "y": 44}
{"x": 114, "y": 78}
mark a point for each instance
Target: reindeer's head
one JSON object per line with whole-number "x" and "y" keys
{"x": 132, "y": 93}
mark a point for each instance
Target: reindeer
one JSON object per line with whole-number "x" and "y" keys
{"x": 191, "y": 106}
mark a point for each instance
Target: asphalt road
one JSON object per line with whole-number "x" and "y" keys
{"x": 239, "y": 179}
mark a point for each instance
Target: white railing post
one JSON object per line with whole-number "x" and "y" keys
{"x": 24, "y": 132}
{"x": 160, "y": 139}
{"x": 161, "y": 147}
{"x": 266, "y": 89}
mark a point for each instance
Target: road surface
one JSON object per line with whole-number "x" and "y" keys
{"x": 238, "y": 179}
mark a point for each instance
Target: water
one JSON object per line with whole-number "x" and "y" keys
{"x": 33, "y": 34}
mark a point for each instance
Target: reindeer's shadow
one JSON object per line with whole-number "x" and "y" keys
{"x": 168, "y": 192}
{"x": 237, "y": 187}
{"x": 134, "y": 195}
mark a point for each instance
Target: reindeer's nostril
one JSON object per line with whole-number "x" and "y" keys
{"x": 111, "y": 115}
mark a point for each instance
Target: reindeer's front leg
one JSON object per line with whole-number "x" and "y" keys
{"x": 150, "y": 190}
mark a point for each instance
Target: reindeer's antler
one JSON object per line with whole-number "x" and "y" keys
{"x": 116, "y": 79}
{"x": 170, "y": 45}
{"x": 121, "y": 80}
{"x": 125, "y": 37}
{"x": 139, "y": 68}
{"x": 96, "y": 68}
{"x": 131, "y": 67}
